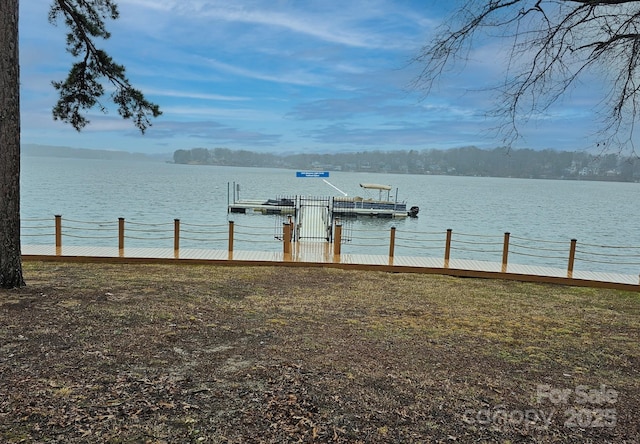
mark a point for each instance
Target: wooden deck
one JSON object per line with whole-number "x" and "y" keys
{"x": 321, "y": 255}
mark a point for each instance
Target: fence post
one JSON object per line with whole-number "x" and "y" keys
{"x": 230, "y": 247}
{"x": 447, "y": 248}
{"x": 121, "y": 233}
{"x": 286, "y": 238}
{"x": 337, "y": 240}
{"x": 176, "y": 234}
{"x": 392, "y": 241}
{"x": 572, "y": 257}
{"x": 505, "y": 251}
{"x": 58, "y": 234}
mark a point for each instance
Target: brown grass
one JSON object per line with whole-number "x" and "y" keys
{"x": 154, "y": 353}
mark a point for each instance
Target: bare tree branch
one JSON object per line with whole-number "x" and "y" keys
{"x": 554, "y": 45}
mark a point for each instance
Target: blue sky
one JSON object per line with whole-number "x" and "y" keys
{"x": 282, "y": 76}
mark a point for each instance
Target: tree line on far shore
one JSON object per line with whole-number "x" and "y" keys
{"x": 465, "y": 161}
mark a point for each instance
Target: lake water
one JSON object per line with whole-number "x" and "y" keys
{"x": 478, "y": 210}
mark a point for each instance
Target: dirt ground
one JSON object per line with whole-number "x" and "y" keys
{"x": 96, "y": 353}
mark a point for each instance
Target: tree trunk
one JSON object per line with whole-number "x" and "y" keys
{"x": 10, "y": 259}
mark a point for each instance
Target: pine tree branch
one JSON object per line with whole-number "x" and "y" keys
{"x": 82, "y": 88}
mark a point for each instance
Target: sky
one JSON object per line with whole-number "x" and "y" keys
{"x": 281, "y": 76}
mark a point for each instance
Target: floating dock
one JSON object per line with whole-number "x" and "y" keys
{"x": 338, "y": 206}
{"x": 260, "y": 206}
{"x": 313, "y": 217}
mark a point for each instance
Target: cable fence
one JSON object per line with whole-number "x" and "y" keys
{"x": 256, "y": 237}
{"x": 213, "y": 236}
{"x": 81, "y": 232}
{"x": 547, "y": 252}
{"x": 569, "y": 255}
{"x": 365, "y": 239}
{"x": 487, "y": 245}
{"x": 147, "y": 235}
{"x": 37, "y": 231}
{"x": 418, "y": 242}
{"x": 610, "y": 255}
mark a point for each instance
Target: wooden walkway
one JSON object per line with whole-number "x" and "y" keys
{"x": 320, "y": 255}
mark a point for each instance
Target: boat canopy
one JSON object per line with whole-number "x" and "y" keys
{"x": 375, "y": 186}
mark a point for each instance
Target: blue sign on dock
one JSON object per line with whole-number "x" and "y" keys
{"x": 312, "y": 173}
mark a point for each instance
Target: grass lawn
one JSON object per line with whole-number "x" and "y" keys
{"x": 95, "y": 353}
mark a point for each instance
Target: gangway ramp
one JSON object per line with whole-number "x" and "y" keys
{"x": 314, "y": 220}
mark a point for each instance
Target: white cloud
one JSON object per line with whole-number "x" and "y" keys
{"x": 193, "y": 95}
{"x": 297, "y": 77}
{"x": 328, "y": 21}
{"x": 275, "y": 73}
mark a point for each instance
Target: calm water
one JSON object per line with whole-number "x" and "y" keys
{"x": 598, "y": 213}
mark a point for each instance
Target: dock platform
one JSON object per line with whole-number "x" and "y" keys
{"x": 338, "y": 207}
{"x": 259, "y": 206}
{"x": 319, "y": 254}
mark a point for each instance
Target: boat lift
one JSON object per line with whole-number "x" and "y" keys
{"x": 314, "y": 217}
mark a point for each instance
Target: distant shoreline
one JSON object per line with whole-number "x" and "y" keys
{"x": 473, "y": 163}
{"x": 64, "y": 152}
